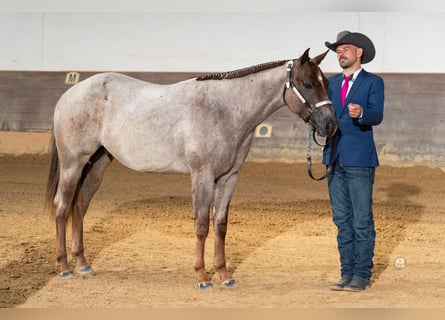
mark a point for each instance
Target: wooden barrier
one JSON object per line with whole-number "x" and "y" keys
{"x": 412, "y": 132}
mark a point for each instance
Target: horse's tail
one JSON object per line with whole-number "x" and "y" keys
{"x": 53, "y": 177}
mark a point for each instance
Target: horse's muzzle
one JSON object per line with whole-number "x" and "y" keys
{"x": 324, "y": 122}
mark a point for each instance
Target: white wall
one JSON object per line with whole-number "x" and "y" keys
{"x": 201, "y": 36}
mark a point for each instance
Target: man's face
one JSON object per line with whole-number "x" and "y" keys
{"x": 348, "y": 55}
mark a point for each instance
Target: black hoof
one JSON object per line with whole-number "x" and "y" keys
{"x": 85, "y": 270}
{"x": 229, "y": 283}
{"x": 204, "y": 285}
{"x": 66, "y": 274}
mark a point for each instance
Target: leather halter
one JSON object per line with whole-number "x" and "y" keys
{"x": 311, "y": 130}
{"x": 290, "y": 85}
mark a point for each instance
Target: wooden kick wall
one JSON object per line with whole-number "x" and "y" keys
{"x": 412, "y": 132}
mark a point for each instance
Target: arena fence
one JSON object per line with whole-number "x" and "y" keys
{"x": 412, "y": 132}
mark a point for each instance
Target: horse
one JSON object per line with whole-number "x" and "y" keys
{"x": 203, "y": 126}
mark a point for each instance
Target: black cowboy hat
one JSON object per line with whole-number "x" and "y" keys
{"x": 357, "y": 39}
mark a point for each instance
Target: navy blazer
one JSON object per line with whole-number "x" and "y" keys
{"x": 354, "y": 138}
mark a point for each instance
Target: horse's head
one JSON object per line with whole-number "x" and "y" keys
{"x": 306, "y": 93}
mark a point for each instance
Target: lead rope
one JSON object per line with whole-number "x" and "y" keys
{"x": 311, "y": 135}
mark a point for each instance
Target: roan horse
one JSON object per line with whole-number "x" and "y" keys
{"x": 202, "y": 126}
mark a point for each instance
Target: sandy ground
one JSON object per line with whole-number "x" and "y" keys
{"x": 281, "y": 243}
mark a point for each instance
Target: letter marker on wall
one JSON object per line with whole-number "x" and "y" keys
{"x": 72, "y": 77}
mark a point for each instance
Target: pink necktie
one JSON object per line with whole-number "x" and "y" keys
{"x": 344, "y": 90}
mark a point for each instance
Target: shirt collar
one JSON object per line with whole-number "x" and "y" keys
{"x": 354, "y": 75}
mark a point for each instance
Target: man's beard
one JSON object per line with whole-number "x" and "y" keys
{"x": 345, "y": 63}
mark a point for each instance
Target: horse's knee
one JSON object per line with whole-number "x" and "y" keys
{"x": 221, "y": 226}
{"x": 202, "y": 226}
{"x": 202, "y": 230}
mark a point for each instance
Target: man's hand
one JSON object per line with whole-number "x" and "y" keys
{"x": 355, "y": 110}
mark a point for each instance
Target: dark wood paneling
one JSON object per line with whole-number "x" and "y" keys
{"x": 28, "y": 98}
{"x": 413, "y": 129}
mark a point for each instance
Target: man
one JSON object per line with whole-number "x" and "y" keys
{"x": 350, "y": 182}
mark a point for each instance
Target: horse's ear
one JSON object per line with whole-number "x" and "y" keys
{"x": 305, "y": 57}
{"x": 320, "y": 57}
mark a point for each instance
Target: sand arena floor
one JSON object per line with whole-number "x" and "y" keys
{"x": 281, "y": 243}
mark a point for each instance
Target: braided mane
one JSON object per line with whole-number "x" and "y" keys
{"x": 241, "y": 72}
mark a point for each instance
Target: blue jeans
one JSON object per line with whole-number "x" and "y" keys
{"x": 350, "y": 192}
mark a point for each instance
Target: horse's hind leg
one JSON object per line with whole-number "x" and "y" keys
{"x": 223, "y": 194}
{"x": 63, "y": 200}
{"x": 203, "y": 192}
{"x": 90, "y": 182}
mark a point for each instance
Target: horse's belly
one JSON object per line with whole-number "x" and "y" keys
{"x": 146, "y": 156}
{"x": 150, "y": 164}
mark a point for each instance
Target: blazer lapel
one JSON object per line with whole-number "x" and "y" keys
{"x": 355, "y": 87}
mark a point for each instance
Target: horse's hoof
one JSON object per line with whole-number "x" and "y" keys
{"x": 66, "y": 274}
{"x": 85, "y": 270}
{"x": 229, "y": 283}
{"x": 204, "y": 285}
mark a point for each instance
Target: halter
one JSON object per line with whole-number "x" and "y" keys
{"x": 290, "y": 85}
{"x": 311, "y": 130}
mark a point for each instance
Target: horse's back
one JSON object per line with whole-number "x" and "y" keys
{"x": 152, "y": 127}
{"x": 136, "y": 121}
{"x": 89, "y": 93}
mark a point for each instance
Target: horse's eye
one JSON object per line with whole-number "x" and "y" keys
{"x": 308, "y": 85}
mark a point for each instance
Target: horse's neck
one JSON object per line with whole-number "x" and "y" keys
{"x": 259, "y": 95}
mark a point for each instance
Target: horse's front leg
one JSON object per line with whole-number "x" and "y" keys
{"x": 224, "y": 190}
{"x": 203, "y": 193}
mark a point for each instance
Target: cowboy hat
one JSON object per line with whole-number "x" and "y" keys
{"x": 357, "y": 39}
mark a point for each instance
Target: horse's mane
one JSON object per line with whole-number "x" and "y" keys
{"x": 240, "y": 72}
